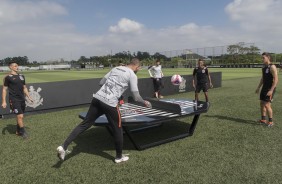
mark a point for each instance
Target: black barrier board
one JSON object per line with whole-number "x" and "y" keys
{"x": 54, "y": 95}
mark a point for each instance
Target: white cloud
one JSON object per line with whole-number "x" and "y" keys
{"x": 126, "y": 26}
{"x": 19, "y": 11}
{"x": 37, "y": 33}
{"x": 259, "y": 20}
{"x": 256, "y": 15}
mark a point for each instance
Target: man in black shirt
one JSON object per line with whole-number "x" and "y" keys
{"x": 268, "y": 82}
{"x": 203, "y": 77}
{"x": 15, "y": 84}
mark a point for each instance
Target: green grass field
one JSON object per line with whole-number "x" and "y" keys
{"x": 228, "y": 146}
{"x": 52, "y": 76}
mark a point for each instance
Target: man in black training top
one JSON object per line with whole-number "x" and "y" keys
{"x": 268, "y": 82}
{"x": 203, "y": 77}
{"x": 105, "y": 101}
{"x": 15, "y": 84}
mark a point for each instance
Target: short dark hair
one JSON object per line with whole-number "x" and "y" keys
{"x": 200, "y": 60}
{"x": 267, "y": 55}
{"x": 12, "y": 62}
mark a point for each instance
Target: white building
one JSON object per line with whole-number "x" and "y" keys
{"x": 54, "y": 67}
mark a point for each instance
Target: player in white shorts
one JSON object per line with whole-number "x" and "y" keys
{"x": 105, "y": 101}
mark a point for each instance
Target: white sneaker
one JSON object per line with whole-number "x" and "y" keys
{"x": 122, "y": 159}
{"x": 61, "y": 152}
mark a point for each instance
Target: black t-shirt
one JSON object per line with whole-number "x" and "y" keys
{"x": 201, "y": 74}
{"x": 15, "y": 85}
{"x": 267, "y": 77}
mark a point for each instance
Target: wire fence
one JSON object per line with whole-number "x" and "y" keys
{"x": 233, "y": 54}
{"x": 216, "y": 53}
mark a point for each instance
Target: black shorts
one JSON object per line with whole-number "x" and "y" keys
{"x": 17, "y": 107}
{"x": 263, "y": 95}
{"x": 157, "y": 84}
{"x": 203, "y": 87}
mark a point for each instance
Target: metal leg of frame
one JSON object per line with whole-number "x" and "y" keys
{"x": 139, "y": 147}
{"x": 194, "y": 124}
{"x": 146, "y": 127}
{"x": 189, "y": 132}
{"x": 128, "y": 133}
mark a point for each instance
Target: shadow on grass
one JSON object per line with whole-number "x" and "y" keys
{"x": 11, "y": 129}
{"x": 237, "y": 120}
{"x": 93, "y": 141}
{"x": 98, "y": 140}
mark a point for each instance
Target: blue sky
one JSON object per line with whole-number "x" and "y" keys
{"x": 54, "y": 29}
{"x": 95, "y": 16}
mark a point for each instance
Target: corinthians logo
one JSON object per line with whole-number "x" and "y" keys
{"x": 37, "y": 100}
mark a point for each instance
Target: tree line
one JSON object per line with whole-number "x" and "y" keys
{"x": 235, "y": 54}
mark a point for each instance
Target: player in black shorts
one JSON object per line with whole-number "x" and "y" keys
{"x": 203, "y": 78}
{"x": 15, "y": 84}
{"x": 268, "y": 82}
{"x": 156, "y": 74}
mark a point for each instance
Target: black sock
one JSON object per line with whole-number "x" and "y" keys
{"x": 270, "y": 119}
{"x": 21, "y": 130}
{"x": 262, "y": 117}
{"x": 18, "y": 128}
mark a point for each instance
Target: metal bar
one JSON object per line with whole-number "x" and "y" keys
{"x": 127, "y": 132}
{"x": 193, "y": 125}
{"x": 145, "y": 146}
{"x": 189, "y": 132}
{"x": 145, "y": 127}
